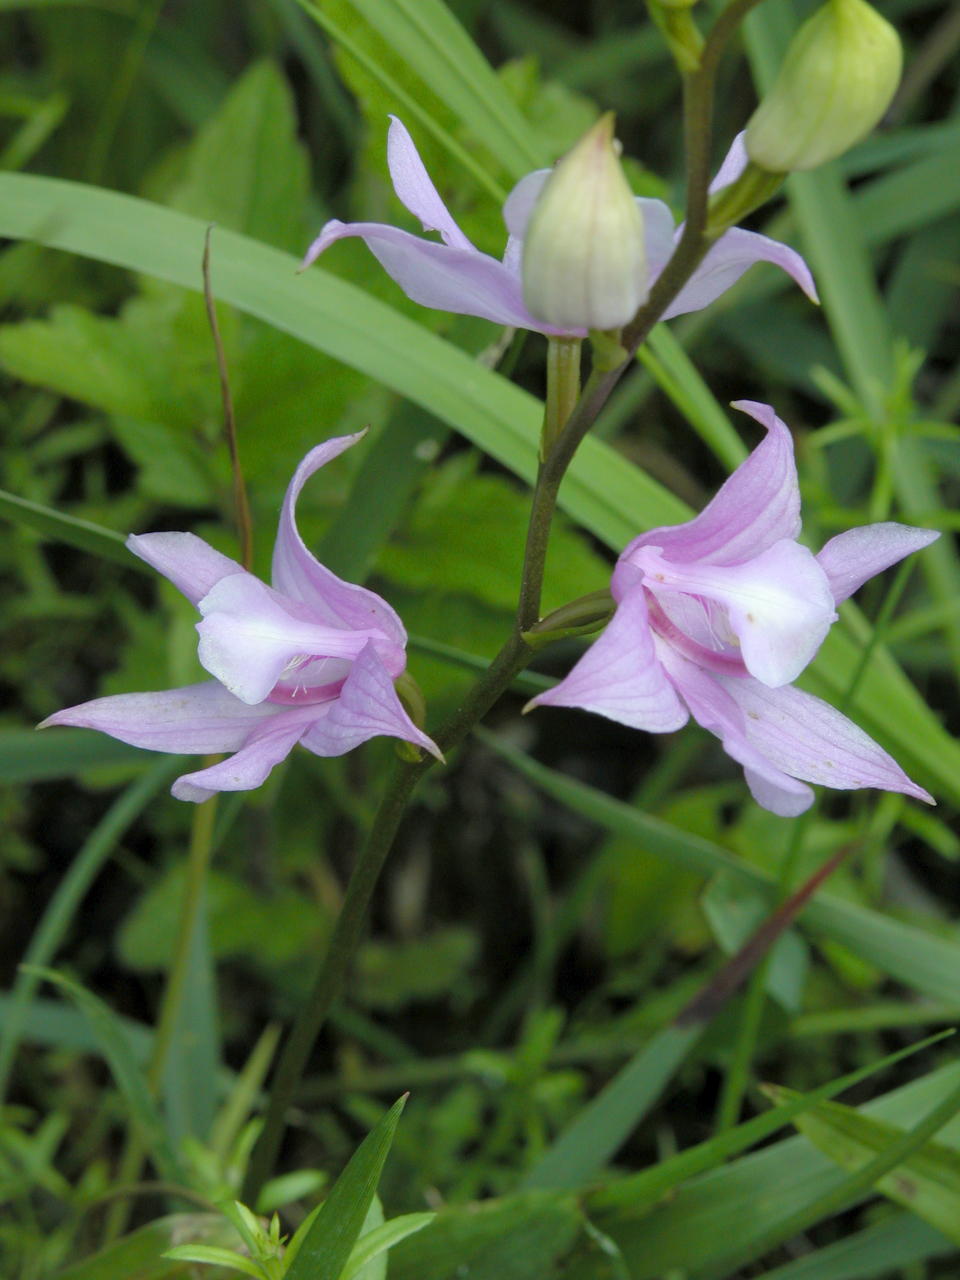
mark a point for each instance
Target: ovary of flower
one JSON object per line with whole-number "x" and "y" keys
{"x": 453, "y": 275}
{"x": 716, "y": 617}
{"x": 311, "y": 659}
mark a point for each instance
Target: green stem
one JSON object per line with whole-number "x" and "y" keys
{"x": 516, "y": 652}
{"x": 563, "y": 388}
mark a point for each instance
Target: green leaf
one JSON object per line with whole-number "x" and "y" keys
{"x": 605, "y": 1123}
{"x": 30, "y": 756}
{"x": 213, "y": 1256}
{"x": 63, "y": 907}
{"x": 374, "y": 1244}
{"x": 920, "y": 959}
{"x": 140, "y": 1255}
{"x": 126, "y": 1072}
{"x": 60, "y": 527}
{"x": 520, "y": 1237}
{"x": 928, "y": 1182}
{"x": 323, "y": 1244}
{"x": 432, "y": 43}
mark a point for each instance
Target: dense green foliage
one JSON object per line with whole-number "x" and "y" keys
{"x": 564, "y": 887}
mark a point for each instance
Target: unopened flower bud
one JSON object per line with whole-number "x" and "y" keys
{"x": 584, "y": 264}
{"x": 839, "y": 75}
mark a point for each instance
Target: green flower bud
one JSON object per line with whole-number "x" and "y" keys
{"x": 584, "y": 261}
{"x": 839, "y": 75}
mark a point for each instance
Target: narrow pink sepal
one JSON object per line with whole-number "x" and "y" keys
{"x": 199, "y": 719}
{"x": 733, "y": 254}
{"x": 367, "y": 707}
{"x": 755, "y": 507}
{"x": 299, "y": 574}
{"x": 851, "y": 558}
{"x": 268, "y": 744}
{"x": 191, "y": 564}
{"x": 620, "y": 677}
{"x": 809, "y": 739}
{"x": 415, "y": 189}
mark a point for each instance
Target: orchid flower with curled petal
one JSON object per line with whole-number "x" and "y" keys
{"x": 453, "y": 275}
{"x": 715, "y": 617}
{"x": 310, "y": 659}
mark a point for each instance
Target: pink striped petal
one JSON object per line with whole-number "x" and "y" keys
{"x": 367, "y": 707}
{"x": 268, "y": 744}
{"x": 620, "y": 677}
{"x": 757, "y": 506}
{"x": 851, "y": 558}
{"x": 733, "y": 254}
{"x": 415, "y": 189}
{"x": 300, "y": 575}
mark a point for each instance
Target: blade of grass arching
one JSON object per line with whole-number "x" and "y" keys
{"x": 528, "y": 682}
{"x": 434, "y": 44}
{"x": 674, "y": 371}
{"x": 603, "y": 491}
{"x": 60, "y": 1026}
{"x": 928, "y": 963}
{"x": 29, "y": 756}
{"x": 689, "y": 1230}
{"x": 838, "y": 1198}
{"x": 640, "y": 1191}
{"x": 62, "y": 907}
{"x": 127, "y": 1074}
{"x": 61, "y": 527}
{"x": 894, "y": 1242}
{"x": 911, "y": 196}
{"x": 605, "y": 1123}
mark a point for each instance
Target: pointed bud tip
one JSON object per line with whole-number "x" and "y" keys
{"x": 584, "y": 260}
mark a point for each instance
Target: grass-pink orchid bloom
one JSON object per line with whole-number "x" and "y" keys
{"x": 453, "y": 275}
{"x": 716, "y": 617}
{"x": 310, "y": 659}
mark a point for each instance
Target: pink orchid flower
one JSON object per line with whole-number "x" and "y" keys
{"x": 311, "y": 659}
{"x": 716, "y": 617}
{"x": 455, "y": 276}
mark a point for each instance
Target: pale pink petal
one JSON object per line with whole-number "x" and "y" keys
{"x": 251, "y": 634}
{"x": 269, "y": 743}
{"x": 778, "y": 606}
{"x": 298, "y": 573}
{"x": 808, "y": 738}
{"x": 712, "y": 707}
{"x": 199, "y": 719}
{"x": 415, "y": 189}
{"x": 367, "y": 707}
{"x": 659, "y": 233}
{"x": 190, "y": 563}
{"x": 851, "y": 558}
{"x": 620, "y": 677}
{"x": 464, "y": 281}
{"x": 757, "y": 506}
{"x": 519, "y": 203}
{"x": 734, "y": 163}
{"x": 733, "y": 254}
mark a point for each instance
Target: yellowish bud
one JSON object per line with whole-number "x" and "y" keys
{"x": 839, "y": 75}
{"x": 584, "y": 263}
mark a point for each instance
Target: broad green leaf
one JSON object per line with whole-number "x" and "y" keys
{"x": 897, "y": 1240}
{"x": 246, "y": 169}
{"x": 127, "y": 1073}
{"x": 140, "y": 1255}
{"x": 928, "y": 963}
{"x": 323, "y": 1244}
{"x": 520, "y": 1237}
{"x": 214, "y": 1256}
{"x": 433, "y": 43}
{"x": 928, "y": 1182}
